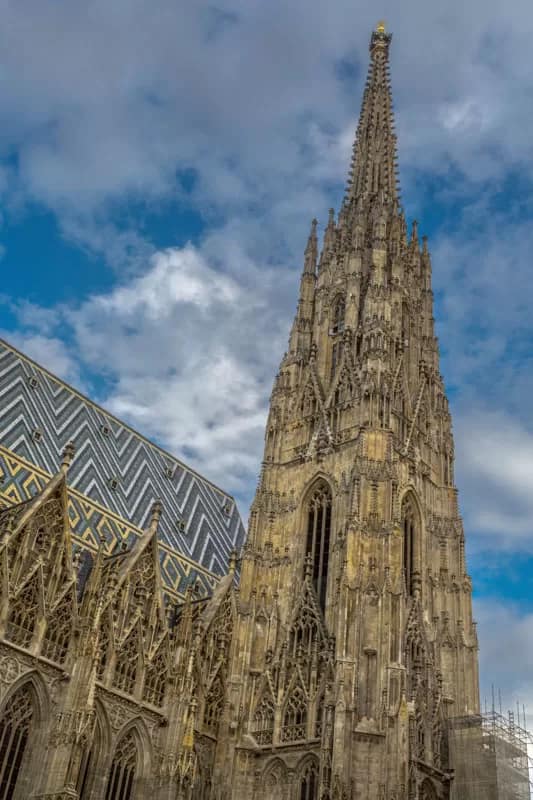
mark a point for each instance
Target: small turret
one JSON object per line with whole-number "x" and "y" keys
{"x": 311, "y": 251}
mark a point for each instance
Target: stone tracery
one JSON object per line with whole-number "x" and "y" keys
{"x": 15, "y": 730}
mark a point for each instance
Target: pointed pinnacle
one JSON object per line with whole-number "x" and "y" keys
{"x": 312, "y": 235}
{"x": 311, "y": 250}
{"x": 329, "y": 237}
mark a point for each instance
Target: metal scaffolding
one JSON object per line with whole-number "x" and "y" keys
{"x": 490, "y": 759}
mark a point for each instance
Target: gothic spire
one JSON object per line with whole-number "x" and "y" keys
{"x": 373, "y": 171}
{"x": 311, "y": 251}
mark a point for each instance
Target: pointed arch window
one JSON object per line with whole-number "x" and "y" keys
{"x": 273, "y": 784}
{"x": 103, "y": 650}
{"x": 308, "y": 405}
{"x": 15, "y": 725}
{"x": 42, "y": 540}
{"x": 23, "y": 616}
{"x": 415, "y": 662}
{"x": 89, "y": 761}
{"x": 409, "y": 531}
{"x": 202, "y": 783}
{"x": 336, "y": 352}
{"x": 437, "y": 742}
{"x": 126, "y": 665}
{"x": 304, "y": 633}
{"x": 339, "y": 312}
{"x": 319, "y": 721}
{"x": 294, "y": 726}
{"x": 309, "y": 782}
{"x": 123, "y": 772}
{"x": 318, "y": 538}
{"x": 213, "y": 704}
{"x": 263, "y": 729}
{"x": 57, "y": 635}
{"x": 155, "y": 679}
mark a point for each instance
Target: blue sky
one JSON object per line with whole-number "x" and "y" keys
{"x": 158, "y": 173}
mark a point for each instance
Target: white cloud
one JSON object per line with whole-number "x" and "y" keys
{"x": 174, "y": 278}
{"x": 189, "y": 351}
{"x": 98, "y": 109}
{"x": 50, "y": 352}
{"x": 113, "y": 104}
{"x": 495, "y": 454}
{"x": 506, "y": 655}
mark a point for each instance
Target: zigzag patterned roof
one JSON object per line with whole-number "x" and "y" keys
{"x": 114, "y": 465}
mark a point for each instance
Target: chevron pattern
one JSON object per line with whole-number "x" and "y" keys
{"x": 115, "y": 468}
{"x": 91, "y": 525}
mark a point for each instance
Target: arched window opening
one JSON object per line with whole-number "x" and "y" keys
{"x": 213, "y": 705}
{"x": 15, "y": 727}
{"x": 308, "y": 406}
{"x": 339, "y": 311}
{"x": 437, "y": 748}
{"x": 319, "y": 722}
{"x": 420, "y": 735}
{"x": 415, "y": 664}
{"x": 103, "y": 648}
{"x": 126, "y": 665}
{"x": 23, "y": 616}
{"x": 155, "y": 679}
{"x": 273, "y": 784}
{"x": 336, "y": 353}
{"x": 309, "y": 782}
{"x": 409, "y": 530}
{"x": 405, "y": 325}
{"x": 303, "y": 634}
{"x": 403, "y": 418}
{"x": 263, "y": 729}
{"x": 47, "y": 521}
{"x": 57, "y": 635}
{"x": 84, "y": 773}
{"x": 123, "y": 770}
{"x": 294, "y": 726}
{"x": 88, "y": 763}
{"x": 202, "y": 782}
{"x": 41, "y": 542}
{"x": 383, "y": 411}
{"x": 318, "y": 538}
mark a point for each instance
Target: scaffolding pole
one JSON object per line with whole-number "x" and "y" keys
{"x": 490, "y": 758}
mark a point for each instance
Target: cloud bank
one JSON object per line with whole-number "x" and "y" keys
{"x": 242, "y": 114}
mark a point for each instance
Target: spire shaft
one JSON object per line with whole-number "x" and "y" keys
{"x": 373, "y": 172}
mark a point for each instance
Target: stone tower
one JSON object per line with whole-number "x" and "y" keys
{"x": 328, "y": 672}
{"x": 354, "y": 639}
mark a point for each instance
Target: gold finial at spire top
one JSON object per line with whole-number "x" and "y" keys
{"x": 380, "y": 27}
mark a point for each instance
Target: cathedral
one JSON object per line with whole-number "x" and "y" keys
{"x": 327, "y": 660}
